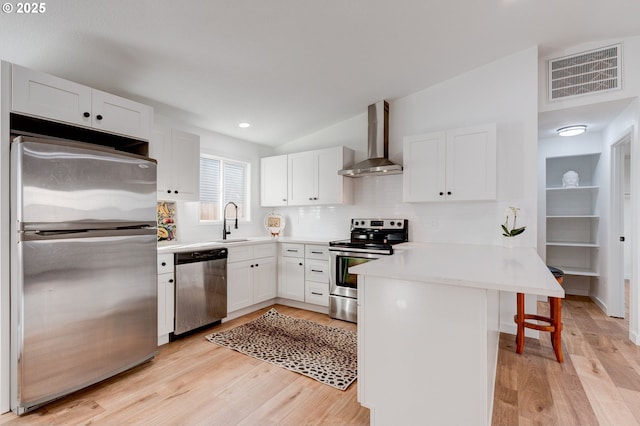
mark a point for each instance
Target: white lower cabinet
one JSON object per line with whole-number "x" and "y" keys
{"x": 316, "y": 286}
{"x": 291, "y": 271}
{"x": 265, "y": 285}
{"x": 166, "y": 294}
{"x": 251, "y": 275}
{"x": 303, "y": 273}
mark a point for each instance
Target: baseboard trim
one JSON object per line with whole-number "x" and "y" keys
{"x": 600, "y": 304}
{"x": 303, "y": 305}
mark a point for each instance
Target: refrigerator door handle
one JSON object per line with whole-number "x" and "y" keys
{"x": 83, "y": 233}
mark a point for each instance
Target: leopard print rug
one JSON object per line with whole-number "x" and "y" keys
{"x": 326, "y": 354}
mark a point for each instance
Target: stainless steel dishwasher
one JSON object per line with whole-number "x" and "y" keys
{"x": 201, "y": 289}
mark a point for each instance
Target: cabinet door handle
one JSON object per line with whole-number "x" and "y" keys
{"x": 98, "y": 117}
{"x": 252, "y": 266}
{"x": 317, "y": 252}
{"x": 448, "y": 192}
{"x": 175, "y": 192}
{"x": 168, "y": 191}
{"x": 292, "y": 251}
{"x": 86, "y": 115}
{"x": 171, "y": 281}
{"x": 316, "y": 294}
{"x": 441, "y": 193}
{"x": 284, "y": 199}
{"x": 317, "y": 270}
{"x": 300, "y": 263}
{"x": 257, "y": 264}
{"x": 164, "y": 264}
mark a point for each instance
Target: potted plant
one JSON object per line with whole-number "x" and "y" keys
{"x": 509, "y": 227}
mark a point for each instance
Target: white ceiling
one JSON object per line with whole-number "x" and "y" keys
{"x": 290, "y": 67}
{"x": 595, "y": 116}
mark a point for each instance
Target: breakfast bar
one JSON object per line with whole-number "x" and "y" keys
{"x": 428, "y": 329}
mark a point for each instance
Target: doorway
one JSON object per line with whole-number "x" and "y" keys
{"x": 620, "y": 226}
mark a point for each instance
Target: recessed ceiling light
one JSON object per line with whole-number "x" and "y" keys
{"x": 244, "y": 125}
{"x": 572, "y": 130}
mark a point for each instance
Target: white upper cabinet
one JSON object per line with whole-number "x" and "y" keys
{"x": 303, "y": 178}
{"x": 330, "y": 187}
{"x": 43, "y": 95}
{"x": 118, "y": 115}
{"x": 273, "y": 181}
{"x": 178, "y": 156}
{"x": 453, "y": 165}
{"x": 306, "y": 178}
{"x": 424, "y": 158}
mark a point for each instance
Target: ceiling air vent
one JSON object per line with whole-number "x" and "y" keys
{"x": 588, "y": 72}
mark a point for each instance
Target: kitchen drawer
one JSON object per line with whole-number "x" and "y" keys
{"x": 316, "y": 293}
{"x": 316, "y": 252}
{"x": 239, "y": 254}
{"x": 316, "y": 270}
{"x": 292, "y": 250}
{"x": 165, "y": 263}
{"x": 264, "y": 250}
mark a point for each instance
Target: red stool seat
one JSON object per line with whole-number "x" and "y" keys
{"x": 553, "y": 323}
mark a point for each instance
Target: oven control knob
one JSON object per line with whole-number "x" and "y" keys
{"x": 399, "y": 223}
{"x": 357, "y": 223}
{"x": 392, "y": 223}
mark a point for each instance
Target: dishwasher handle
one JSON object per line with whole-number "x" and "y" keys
{"x": 200, "y": 256}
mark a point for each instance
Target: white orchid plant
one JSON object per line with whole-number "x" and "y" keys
{"x": 509, "y": 228}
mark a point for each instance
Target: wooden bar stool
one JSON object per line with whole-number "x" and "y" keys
{"x": 554, "y": 320}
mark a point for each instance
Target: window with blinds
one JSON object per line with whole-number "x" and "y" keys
{"x": 222, "y": 181}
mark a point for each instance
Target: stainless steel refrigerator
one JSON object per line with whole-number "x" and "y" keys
{"x": 83, "y": 267}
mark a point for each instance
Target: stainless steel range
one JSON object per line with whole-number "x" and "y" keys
{"x": 370, "y": 240}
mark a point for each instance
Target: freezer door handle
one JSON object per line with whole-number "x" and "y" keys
{"x": 83, "y": 233}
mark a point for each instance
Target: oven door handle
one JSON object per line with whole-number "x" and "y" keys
{"x": 372, "y": 253}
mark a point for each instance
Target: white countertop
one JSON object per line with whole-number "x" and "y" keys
{"x": 518, "y": 270}
{"x": 231, "y": 242}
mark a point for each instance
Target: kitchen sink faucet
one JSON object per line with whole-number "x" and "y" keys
{"x": 224, "y": 220}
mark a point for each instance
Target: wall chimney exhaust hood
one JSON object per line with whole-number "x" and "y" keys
{"x": 377, "y": 162}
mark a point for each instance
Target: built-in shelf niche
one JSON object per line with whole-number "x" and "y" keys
{"x": 580, "y": 231}
{"x": 573, "y": 220}
{"x": 580, "y": 201}
{"x": 585, "y": 165}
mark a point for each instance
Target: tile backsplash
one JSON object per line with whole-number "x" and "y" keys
{"x": 375, "y": 197}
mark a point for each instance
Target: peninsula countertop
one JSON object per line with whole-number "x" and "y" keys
{"x": 518, "y": 269}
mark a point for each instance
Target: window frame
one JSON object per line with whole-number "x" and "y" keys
{"x": 247, "y": 188}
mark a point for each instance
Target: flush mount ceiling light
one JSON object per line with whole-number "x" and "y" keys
{"x": 572, "y": 130}
{"x": 244, "y": 125}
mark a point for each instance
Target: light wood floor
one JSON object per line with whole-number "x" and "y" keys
{"x": 598, "y": 384}
{"x": 194, "y": 382}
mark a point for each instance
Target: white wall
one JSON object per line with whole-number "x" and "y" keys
{"x": 189, "y": 228}
{"x": 627, "y": 216}
{"x": 504, "y": 92}
{"x": 628, "y": 119}
{"x": 5, "y": 246}
{"x": 628, "y": 122}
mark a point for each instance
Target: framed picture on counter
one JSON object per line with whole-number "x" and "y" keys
{"x": 167, "y": 221}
